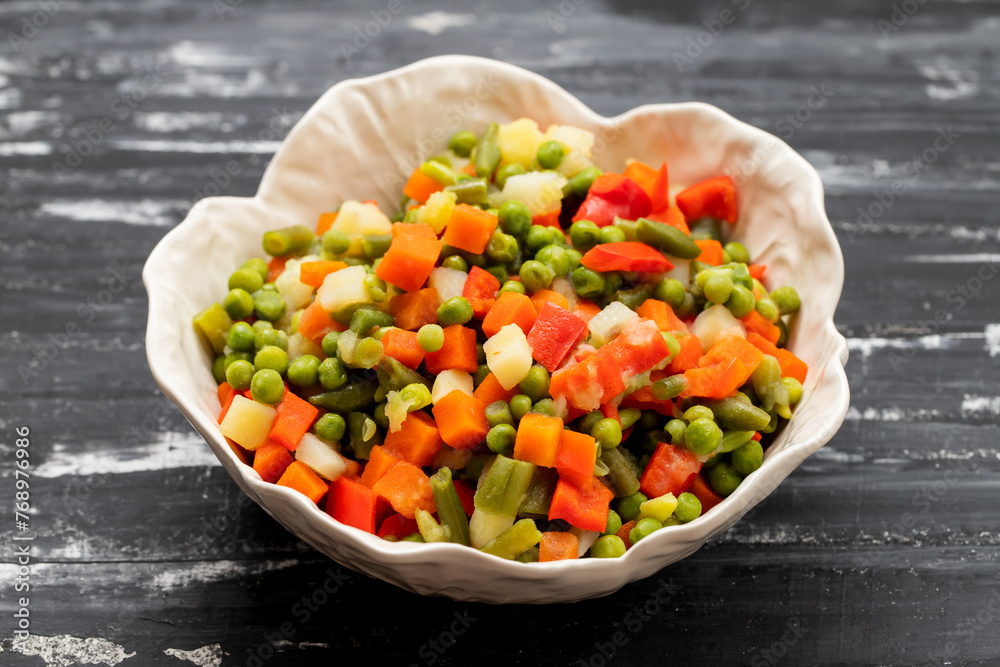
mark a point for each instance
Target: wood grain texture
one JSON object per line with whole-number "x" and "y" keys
{"x": 883, "y": 548}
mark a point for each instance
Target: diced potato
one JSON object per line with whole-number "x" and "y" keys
{"x": 247, "y": 423}
{"x": 541, "y": 191}
{"x": 343, "y": 292}
{"x": 609, "y": 322}
{"x": 519, "y": 142}
{"x": 356, "y": 219}
{"x": 321, "y": 457}
{"x": 484, "y": 527}
{"x": 681, "y": 271}
{"x": 297, "y": 295}
{"x": 437, "y": 211}
{"x": 564, "y": 286}
{"x": 299, "y": 345}
{"x": 508, "y": 355}
{"x": 573, "y": 138}
{"x": 448, "y": 381}
{"x": 710, "y": 322}
{"x": 448, "y": 282}
{"x": 658, "y": 508}
{"x": 585, "y": 539}
{"x": 573, "y": 163}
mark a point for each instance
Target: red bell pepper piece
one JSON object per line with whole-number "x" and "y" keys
{"x": 638, "y": 348}
{"x": 626, "y": 256}
{"x": 585, "y": 508}
{"x": 466, "y": 494}
{"x": 480, "y": 291}
{"x": 702, "y": 491}
{"x": 352, "y": 503}
{"x": 654, "y": 183}
{"x": 576, "y": 457}
{"x": 588, "y": 383}
{"x": 611, "y": 196}
{"x": 714, "y": 198}
{"x": 398, "y": 526}
{"x": 556, "y": 331}
{"x": 671, "y": 469}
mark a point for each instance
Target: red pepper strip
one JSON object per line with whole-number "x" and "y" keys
{"x": 671, "y": 469}
{"x": 654, "y": 183}
{"x": 554, "y": 334}
{"x": 398, "y": 526}
{"x": 480, "y": 290}
{"x": 714, "y": 198}
{"x": 626, "y": 256}
{"x": 611, "y": 196}
{"x": 587, "y": 509}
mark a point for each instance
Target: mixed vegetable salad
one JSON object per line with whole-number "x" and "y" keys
{"x": 533, "y": 358}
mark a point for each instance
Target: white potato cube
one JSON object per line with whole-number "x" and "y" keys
{"x": 573, "y": 138}
{"x": 519, "y": 142}
{"x": 710, "y": 322}
{"x": 448, "y": 381}
{"x": 448, "y": 282}
{"x": 356, "y": 219}
{"x": 297, "y": 295}
{"x": 508, "y": 355}
{"x": 540, "y": 191}
{"x": 608, "y": 323}
{"x": 321, "y": 457}
{"x": 437, "y": 211}
{"x": 343, "y": 291}
{"x": 248, "y": 422}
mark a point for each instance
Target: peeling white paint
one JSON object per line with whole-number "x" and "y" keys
{"x": 969, "y": 258}
{"x": 434, "y": 23}
{"x": 202, "y": 147}
{"x": 954, "y": 84}
{"x": 10, "y": 148}
{"x": 209, "y": 655}
{"x": 163, "y": 451}
{"x": 980, "y": 405}
{"x": 209, "y": 571}
{"x": 992, "y": 335}
{"x": 155, "y": 212}
{"x": 183, "y": 121}
{"x": 66, "y": 650}
{"x": 891, "y": 414}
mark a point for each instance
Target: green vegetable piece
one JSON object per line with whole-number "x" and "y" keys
{"x": 270, "y": 336}
{"x": 628, "y": 507}
{"x": 331, "y": 373}
{"x": 394, "y": 376}
{"x": 538, "y": 497}
{"x": 502, "y": 247}
{"x": 767, "y": 309}
{"x": 449, "y": 507}
{"x": 498, "y": 412}
{"x": 584, "y": 235}
{"x": 375, "y": 245}
{"x": 735, "y": 439}
{"x": 488, "y": 152}
{"x": 294, "y": 239}
{"x": 537, "y": 237}
{"x": 676, "y": 429}
{"x": 614, "y": 523}
{"x": 611, "y": 234}
{"x": 666, "y": 238}
{"x": 723, "y": 479}
{"x": 608, "y": 433}
{"x": 241, "y": 337}
{"x": 624, "y": 481}
{"x": 546, "y": 407}
{"x": 272, "y": 357}
{"x": 258, "y": 265}
{"x": 698, "y": 412}
{"x": 355, "y": 395}
{"x": 266, "y": 386}
{"x": 608, "y": 546}
{"x": 634, "y": 297}
{"x": 579, "y": 184}
{"x": 233, "y": 357}
{"x": 416, "y": 395}
{"x": 588, "y": 283}
{"x": 429, "y": 528}
{"x": 535, "y": 384}
{"x": 535, "y": 275}
{"x": 688, "y": 507}
{"x": 376, "y": 288}
{"x": 783, "y": 335}
{"x": 702, "y": 436}
{"x": 794, "y": 390}
{"x": 629, "y": 417}
{"x": 219, "y": 369}
{"x": 520, "y": 405}
{"x": 238, "y": 304}
{"x": 738, "y": 252}
{"x": 500, "y": 439}
{"x": 335, "y": 242}
{"x": 268, "y": 305}
{"x": 717, "y": 286}
{"x": 362, "y": 433}
{"x": 550, "y": 154}
{"x": 329, "y": 343}
{"x": 513, "y": 286}
{"x": 462, "y": 143}
{"x": 748, "y": 458}
{"x": 430, "y": 337}
{"x": 365, "y": 319}
{"x": 456, "y": 262}
{"x": 669, "y": 387}
{"x": 499, "y": 271}
{"x": 239, "y": 374}
{"x": 505, "y": 172}
{"x": 213, "y": 323}
{"x": 738, "y": 415}
{"x": 471, "y": 191}
{"x": 439, "y": 171}
{"x": 517, "y": 539}
{"x": 704, "y": 229}
{"x": 671, "y": 291}
{"x": 786, "y": 299}
{"x": 643, "y": 529}
{"x": 555, "y": 257}
{"x": 330, "y": 427}
{"x": 456, "y": 310}
{"x": 246, "y": 279}
{"x": 368, "y": 352}
{"x": 741, "y": 301}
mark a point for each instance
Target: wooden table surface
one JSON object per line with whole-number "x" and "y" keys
{"x": 115, "y": 116}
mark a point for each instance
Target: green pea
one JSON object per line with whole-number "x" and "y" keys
{"x": 456, "y": 310}
{"x": 786, "y": 299}
{"x": 698, "y": 412}
{"x": 335, "y": 242}
{"x": 462, "y": 143}
{"x": 502, "y": 247}
{"x": 262, "y": 325}
{"x": 740, "y": 302}
{"x": 748, "y": 458}
{"x": 584, "y": 235}
{"x": 456, "y": 262}
{"x": 332, "y": 374}
{"x": 688, "y": 507}
{"x": 634, "y": 297}
{"x": 535, "y": 275}
{"x": 513, "y": 286}
{"x": 364, "y": 320}
{"x": 612, "y": 282}
{"x": 794, "y": 390}
{"x": 238, "y": 304}
{"x": 671, "y": 291}
{"x": 233, "y": 357}
{"x": 586, "y": 423}
{"x": 689, "y": 307}
{"x": 430, "y": 337}
{"x": 643, "y": 529}
{"x": 554, "y": 257}
{"x": 614, "y": 523}
{"x": 718, "y": 286}
{"x": 414, "y": 537}
{"x": 268, "y": 305}
{"x": 498, "y": 412}
{"x": 304, "y": 371}
{"x": 219, "y": 369}
{"x": 546, "y": 407}
{"x": 368, "y": 352}
{"x": 480, "y": 375}
{"x": 505, "y": 172}
{"x": 498, "y": 271}
{"x": 329, "y": 343}
{"x": 782, "y": 333}
{"x": 239, "y": 374}
{"x": 588, "y": 283}
{"x": 702, "y": 436}
{"x": 376, "y": 288}
{"x": 738, "y": 252}
{"x": 537, "y": 238}
{"x": 611, "y": 234}
{"x": 520, "y": 405}
{"x": 607, "y": 432}
{"x": 767, "y": 309}
{"x": 580, "y": 183}
{"x": 608, "y": 546}
{"x": 535, "y": 384}
{"x": 573, "y": 256}
{"x": 375, "y": 245}
{"x": 240, "y": 337}
{"x": 676, "y": 429}
{"x": 723, "y": 479}
{"x": 266, "y": 386}
{"x": 550, "y": 154}
{"x": 248, "y": 280}
{"x": 330, "y": 426}
{"x": 500, "y": 439}
{"x": 515, "y": 218}
{"x": 628, "y": 507}
{"x": 258, "y": 265}
{"x": 272, "y": 357}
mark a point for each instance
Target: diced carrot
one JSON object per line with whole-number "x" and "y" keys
{"x": 380, "y": 459}
{"x": 326, "y": 221}
{"x": 671, "y": 216}
{"x": 538, "y": 438}
{"x": 711, "y": 252}
{"x": 556, "y": 545}
{"x": 716, "y": 381}
{"x": 409, "y": 261}
{"x": 295, "y": 417}
{"x": 702, "y": 491}
{"x": 461, "y": 419}
{"x": 270, "y": 460}
{"x": 480, "y": 290}
{"x": 226, "y": 396}
{"x": 469, "y": 169}
{"x": 315, "y": 322}
{"x": 510, "y": 308}
{"x": 550, "y": 219}
{"x": 407, "y": 489}
{"x": 757, "y": 270}
{"x": 413, "y": 229}
{"x": 301, "y": 477}
{"x": 714, "y": 198}
{"x": 732, "y": 346}
{"x": 654, "y": 182}
{"x": 688, "y": 356}
{"x": 543, "y": 296}
{"x": 458, "y": 351}
{"x": 413, "y": 310}
{"x": 244, "y": 455}
{"x": 625, "y": 530}
{"x": 416, "y": 441}
{"x": 661, "y": 313}
{"x": 275, "y": 267}
{"x": 470, "y": 228}
{"x": 576, "y": 457}
{"x": 588, "y": 383}
{"x": 586, "y": 310}
{"x": 420, "y": 186}
{"x": 314, "y": 273}
{"x": 490, "y": 390}
{"x": 791, "y": 365}
{"x": 755, "y": 322}
{"x": 402, "y": 346}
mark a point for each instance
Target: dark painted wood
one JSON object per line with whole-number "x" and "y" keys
{"x": 881, "y": 549}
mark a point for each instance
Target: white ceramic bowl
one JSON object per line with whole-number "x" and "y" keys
{"x": 360, "y": 141}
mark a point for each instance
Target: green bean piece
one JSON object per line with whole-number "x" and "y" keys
{"x": 238, "y": 304}
{"x": 488, "y": 152}
{"x": 698, "y": 412}
{"x": 376, "y": 288}
{"x": 240, "y": 337}
{"x": 666, "y": 238}
{"x": 718, "y": 286}
{"x": 629, "y": 417}
{"x": 535, "y": 384}
{"x": 368, "y": 352}
{"x": 239, "y": 374}
{"x": 624, "y": 481}
{"x": 588, "y": 283}
{"x": 767, "y": 309}
{"x": 738, "y": 415}
{"x": 500, "y": 439}
{"x": 219, "y": 369}
{"x": 614, "y": 523}
{"x": 456, "y": 310}
{"x": 462, "y": 143}
{"x": 365, "y": 319}
{"x": 353, "y": 396}
{"x": 766, "y": 379}
{"x": 439, "y": 171}
{"x": 628, "y": 507}
{"x": 676, "y": 429}
{"x": 430, "y": 337}
{"x": 772, "y": 423}
{"x": 213, "y": 322}
{"x": 783, "y": 333}
{"x": 688, "y": 507}
{"x": 375, "y": 245}
{"x": 520, "y": 405}
{"x": 268, "y": 305}
{"x": 517, "y": 539}
{"x": 506, "y": 171}
{"x": 671, "y": 291}
{"x": 794, "y": 390}
{"x": 379, "y": 414}
{"x": 608, "y": 546}
{"x": 258, "y": 265}
{"x": 634, "y": 297}
{"x": 786, "y": 299}
{"x": 294, "y": 239}
{"x": 449, "y": 507}
{"x": 246, "y": 279}
{"x": 331, "y": 374}
{"x": 643, "y": 529}
{"x": 584, "y": 235}
{"x": 579, "y": 184}
{"x": 430, "y": 530}
{"x": 669, "y": 387}
{"x": 500, "y": 491}
{"x": 535, "y": 275}
{"x": 471, "y": 191}
{"x": 740, "y": 302}
{"x": 555, "y": 257}
{"x": 704, "y": 229}
{"x": 266, "y": 386}
{"x": 550, "y": 154}
{"x": 272, "y": 357}
{"x": 498, "y": 412}
{"x": 628, "y": 228}
{"x": 538, "y": 497}
{"x": 586, "y": 423}
{"x": 513, "y": 286}
{"x": 748, "y": 458}
{"x": 330, "y": 427}
{"x": 394, "y": 376}
{"x": 363, "y": 434}
{"x": 702, "y": 436}
{"x": 733, "y": 440}
{"x": 456, "y": 262}
{"x": 723, "y": 479}
{"x": 607, "y": 432}
{"x": 502, "y": 247}
{"x": 612, "y": 283}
